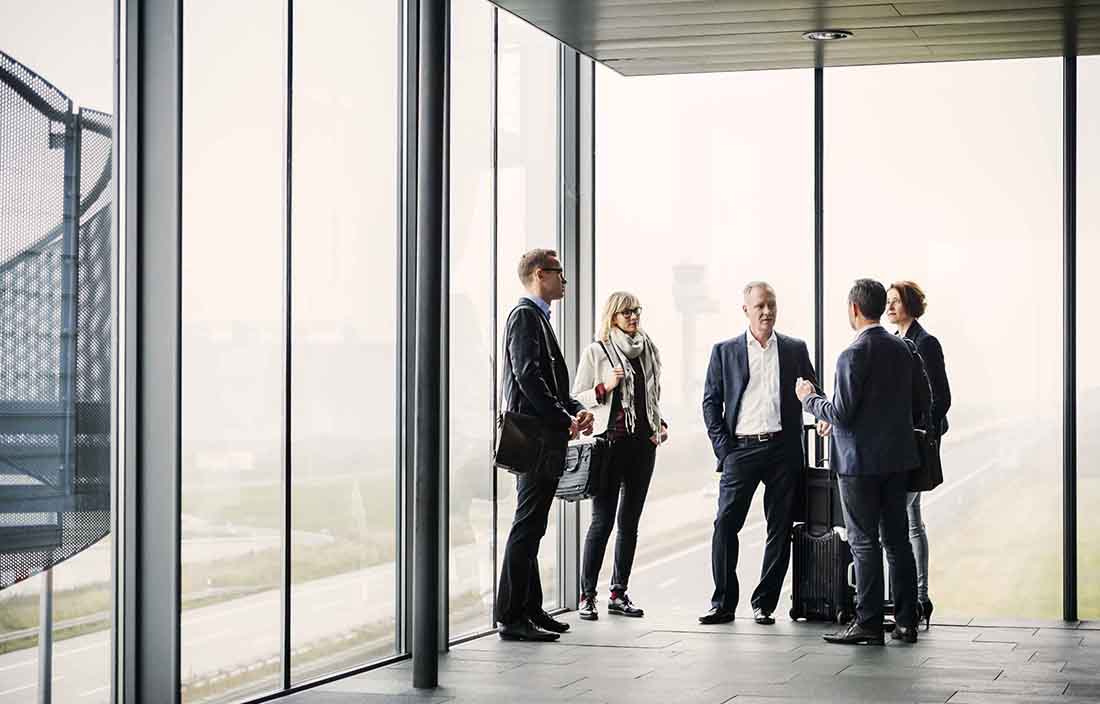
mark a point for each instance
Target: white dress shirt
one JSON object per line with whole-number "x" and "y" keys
{"x": 759, "y": 411}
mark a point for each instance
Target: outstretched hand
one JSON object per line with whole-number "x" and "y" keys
{"x": 802, "y": 389}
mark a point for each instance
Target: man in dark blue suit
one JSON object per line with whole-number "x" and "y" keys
{"x": 755, "y": 425}
{"x": 870, "y": 420}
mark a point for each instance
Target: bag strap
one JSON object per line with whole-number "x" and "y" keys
{"x": 545, "y": 345}
{"x": 605, "y": 354}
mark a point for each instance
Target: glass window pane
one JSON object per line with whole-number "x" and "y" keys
{"x": 704, "y": 183}
{"x": 232, "y": 348}
{"x": 471, "y": 327}
{"x": 949, "y": 175}
{"x": 1088, "y": 338}
{"x": 68, "y": 44}
{"x": 344, "y": 497}
{"x": 527, "y": 208}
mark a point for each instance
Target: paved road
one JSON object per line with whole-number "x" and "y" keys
{"x": 676, "y": 581}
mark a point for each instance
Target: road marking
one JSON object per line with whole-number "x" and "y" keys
{"x": 668, "y": 583}
{"x": 28, "y": 686}
{"x": 948, "y": 488}
{"x": 25, "y": 663}
{"x": 209, "y": 636}
{"x": 93, "y": 646}
{"x": 686, "y": 551}
{"x": 97, "y": 690}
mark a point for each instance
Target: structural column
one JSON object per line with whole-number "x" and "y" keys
{"x": 819, "y": 239}
{"x": 430, "y": 301}
{"x": 1069, "y": 353}
{"x": 151, "y": 112}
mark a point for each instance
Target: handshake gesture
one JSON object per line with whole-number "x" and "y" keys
{"x": 802, "y": 389}
{"x": 581, "y": 425}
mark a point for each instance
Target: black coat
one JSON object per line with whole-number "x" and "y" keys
{"x": 727, "y": 379}
{"x": 932, "y": 354}
{"x": 535, "y": 378}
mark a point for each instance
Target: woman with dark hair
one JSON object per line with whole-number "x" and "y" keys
{"x": 619, "y": 381}
{"x": 905, "y": 303}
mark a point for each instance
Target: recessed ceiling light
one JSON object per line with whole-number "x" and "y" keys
{"x": 826, "y": 35}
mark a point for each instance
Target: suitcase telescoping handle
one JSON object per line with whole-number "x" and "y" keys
{"x": 809, "y": 433}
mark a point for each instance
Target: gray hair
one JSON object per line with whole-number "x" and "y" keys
{"x": 757, "y": 284}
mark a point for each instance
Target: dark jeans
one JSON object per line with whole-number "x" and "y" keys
{"x": 875, "y": 504}
{"x": 520, "y": 593}
{"x": 629, "y": 473}
{"x": 777, "y": 466}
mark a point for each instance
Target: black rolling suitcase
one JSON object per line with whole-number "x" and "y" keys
{"x": 822, "y": 575}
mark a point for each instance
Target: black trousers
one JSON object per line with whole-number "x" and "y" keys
{"x": 777, "y": 466}
{"x": 520, "y": 592}
{"x": 629, "y": 474}
{"x": 874, "y": 505}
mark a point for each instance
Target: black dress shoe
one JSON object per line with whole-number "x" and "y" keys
{"x": 907, "y": 634}
{"x": 762, "y": 617}
{"x": 525, "y": 630}
{"x": 547, "y": 623}
{"x": 855, "y": 634}
{"x": 716, "y": 616}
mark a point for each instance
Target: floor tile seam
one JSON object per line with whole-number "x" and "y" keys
{"x": 570, "y": 684}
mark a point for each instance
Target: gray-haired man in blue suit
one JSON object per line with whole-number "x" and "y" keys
{"x": 870, "y": 419}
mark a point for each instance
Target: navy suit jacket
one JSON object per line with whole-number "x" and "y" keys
{"x": 932, "y": 354}
{"x": 727, "y": 379}
{"x": 872, "y": 407}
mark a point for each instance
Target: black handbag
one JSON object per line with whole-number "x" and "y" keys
{"x": 526, "y": 445}
{"x": 585, "y": 472}
{"x": 929, "y": 474}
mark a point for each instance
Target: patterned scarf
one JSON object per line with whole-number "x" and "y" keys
{"x": 639, "y": 346}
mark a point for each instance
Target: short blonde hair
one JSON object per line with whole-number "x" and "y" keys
{"x": 617, "y": 302}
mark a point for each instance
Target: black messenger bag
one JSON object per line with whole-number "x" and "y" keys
{"x": 525, "y": 444}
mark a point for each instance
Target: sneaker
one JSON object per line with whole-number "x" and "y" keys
{"x": 620, "y": 605}
{"x": 588, "y": 610}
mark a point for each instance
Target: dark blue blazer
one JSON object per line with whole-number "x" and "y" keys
{"x": 932, "y": 354}
{"x": 727, "y": 379}
{"x": 872, "y": 407}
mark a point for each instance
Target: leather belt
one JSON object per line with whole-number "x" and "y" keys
{"x": 757, "y": 438}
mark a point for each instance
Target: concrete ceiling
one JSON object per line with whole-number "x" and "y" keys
{"x": 648, "y": 37}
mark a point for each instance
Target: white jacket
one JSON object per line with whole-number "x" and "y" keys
{"x": 593, "y": 368}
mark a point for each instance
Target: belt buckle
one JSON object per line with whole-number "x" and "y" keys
{"x": 763, "y": 437}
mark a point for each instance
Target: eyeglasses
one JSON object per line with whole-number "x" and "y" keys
{"x": 554, "y": 269}
{"x": 629, "y": 312}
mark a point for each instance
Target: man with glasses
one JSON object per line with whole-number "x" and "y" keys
{"x": 535, "y": 383}
{"x": 754, "y": 421}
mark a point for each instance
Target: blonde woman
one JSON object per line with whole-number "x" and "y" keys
{"x": 619, "y": 380}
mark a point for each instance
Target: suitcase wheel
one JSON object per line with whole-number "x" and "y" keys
{"x": 794, "y": 614}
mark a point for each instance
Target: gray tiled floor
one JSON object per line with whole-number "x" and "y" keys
{"x": 653, "y": 660}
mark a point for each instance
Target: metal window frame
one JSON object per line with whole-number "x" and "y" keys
{"x": 286, "y": 610}
{"x": 152, "y": 47}
{"x": 1069, "y": 312}
{"x": 147, "y": 329}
